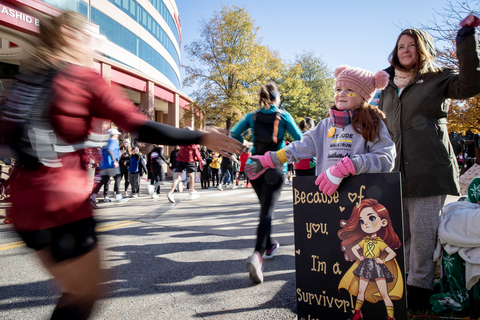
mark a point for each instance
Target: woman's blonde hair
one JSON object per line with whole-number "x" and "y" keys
{"x": 267, "y": 95}
{"x": 425, "y": 52}
{"x": 51, "y": 42}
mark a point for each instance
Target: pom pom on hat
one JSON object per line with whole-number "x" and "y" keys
{"x": 381, "y": 80}
{"x": 340, "y": 69}
{"x": 360, "y": 80}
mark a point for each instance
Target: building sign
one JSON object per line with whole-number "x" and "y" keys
{"x": 18, "y": 20}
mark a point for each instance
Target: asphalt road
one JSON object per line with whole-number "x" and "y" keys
{"x": 168, "y": 261}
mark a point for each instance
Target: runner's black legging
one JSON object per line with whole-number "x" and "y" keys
{"x": 268, "y": 188}
{"x": 105, "y": 179}
{"x": 157, "y": 176}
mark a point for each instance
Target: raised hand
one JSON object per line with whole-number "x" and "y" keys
{"x": 220, "y": 143}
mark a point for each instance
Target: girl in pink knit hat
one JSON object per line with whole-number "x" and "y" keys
{"x": 353, "y": 140}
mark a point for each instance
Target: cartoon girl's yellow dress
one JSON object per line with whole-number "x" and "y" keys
{"x": 369, "y": 269}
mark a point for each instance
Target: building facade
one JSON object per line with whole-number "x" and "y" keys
{"x": 137, "y": 46}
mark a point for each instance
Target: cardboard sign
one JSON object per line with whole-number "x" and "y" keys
{"x": 349, "y": 247}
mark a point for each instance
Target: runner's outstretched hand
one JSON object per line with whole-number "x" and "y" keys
{"x": 220, "y": 143}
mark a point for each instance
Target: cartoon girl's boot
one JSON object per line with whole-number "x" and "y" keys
{"x": 357, "y": 315}
{"x": 388, "y": 318}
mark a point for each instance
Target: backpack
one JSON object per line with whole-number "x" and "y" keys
{"x": 26, "y": 127}
{"x": 266, "y": 131}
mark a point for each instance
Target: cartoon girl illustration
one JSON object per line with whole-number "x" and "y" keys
{"x": 368, "y": 239}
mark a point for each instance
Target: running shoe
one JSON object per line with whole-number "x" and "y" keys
{"x": 107, "y": 199}
{"x": 269, "y": 253}
{"x": 151, "y": 190}
{"x": 7, "y": 220}
{"x": 135, "y": 195}
{"x": 93, "y": 204}
{"x": 194, "y": 195}
{"x": 122, "y": 200}
{"x": 154, "y": 196}
{"x": 170, "y": 197}
{"x": 220, "y": 187}
{"x": 254, "y": 265}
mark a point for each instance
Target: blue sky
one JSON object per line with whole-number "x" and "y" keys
{"x": 358, "y": 33}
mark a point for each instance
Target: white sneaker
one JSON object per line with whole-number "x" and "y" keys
{"x": 254, "y": 265}
{"x": 170, "y": 197}
{"x": 125, "y": 194}
{"x": 107, "y": 199}
{"x": 220, "y": 187}
{"x": 194, "y": 195}
{"x": 234, "y": 187}
{"x": 154, "y": 196}
{"x": 150, "y": 189}
{"x": 135, "y": 195}
{"x": 121, "y": 199}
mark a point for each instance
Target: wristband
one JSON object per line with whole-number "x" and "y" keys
{"x": 282, "y": 156}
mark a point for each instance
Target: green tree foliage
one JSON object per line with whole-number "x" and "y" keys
{"x": 231, "y": 63}
{"x": 293, "y": 91}
{"x": 319, "y": 80}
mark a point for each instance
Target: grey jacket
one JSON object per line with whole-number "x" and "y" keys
{"x": 367, "y": 156}
{"x": 417, "y": 121}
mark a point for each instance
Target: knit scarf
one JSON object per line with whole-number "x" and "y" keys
{"x": 341, "y": 118}
{"x": 402, "y": 78}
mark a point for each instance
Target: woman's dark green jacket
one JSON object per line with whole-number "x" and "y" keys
{"x": 417, "y": 121}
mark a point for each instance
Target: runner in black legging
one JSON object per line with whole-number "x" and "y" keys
{"x": 266, "y": 136}
{"x": 156, "y": 160}
{"x": 126, "y": 151}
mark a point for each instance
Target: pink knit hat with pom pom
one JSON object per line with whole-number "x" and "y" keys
{"x": 361, "y": 81}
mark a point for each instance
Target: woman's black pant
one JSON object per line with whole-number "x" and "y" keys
{"x": 124, "y": 175}
{"x": 215, "y": 176}
{"x": 105, "y": 179}
{"x": 268, "y": 188}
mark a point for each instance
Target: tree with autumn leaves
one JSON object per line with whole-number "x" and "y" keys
{"x": 229, "y": 63}
{"x": 464, "y": 115}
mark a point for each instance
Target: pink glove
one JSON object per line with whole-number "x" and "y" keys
{"x": 259, "y": 165}
{"x": 329, "y": 180}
